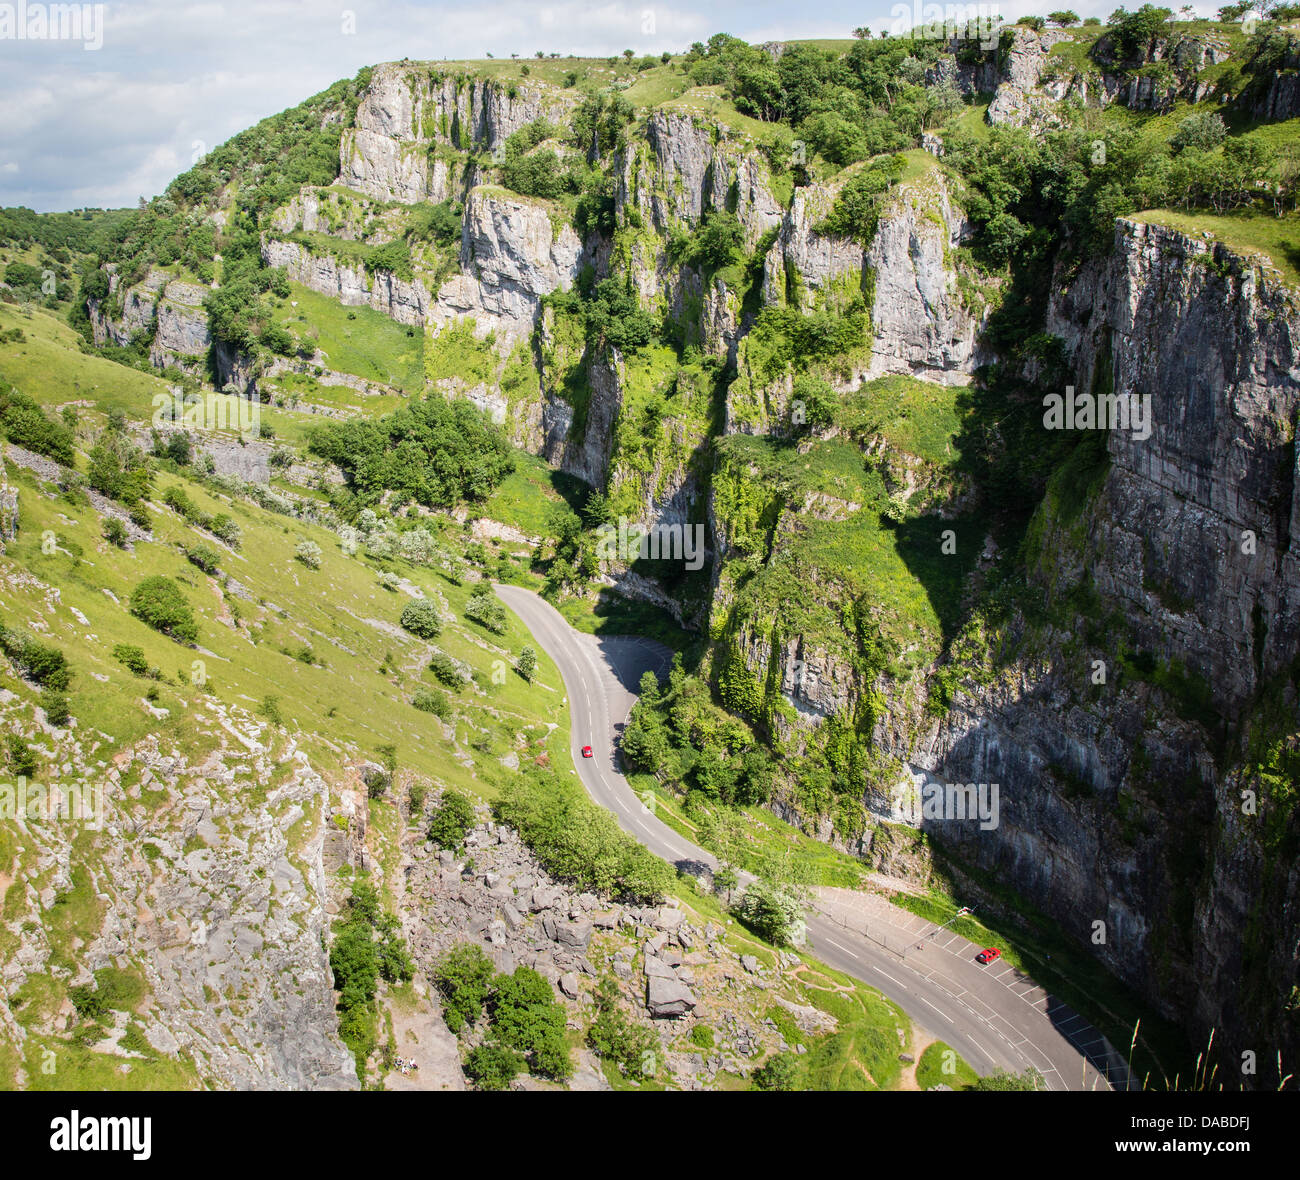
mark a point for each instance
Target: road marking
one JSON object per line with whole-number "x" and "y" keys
{"x": 843, "y": 948}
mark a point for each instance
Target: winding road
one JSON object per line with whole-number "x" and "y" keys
{"x": 993, "y": 1016}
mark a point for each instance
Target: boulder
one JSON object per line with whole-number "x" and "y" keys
{"x": 666, "y": 998}
{"x": 575, "y": 934}
{"x": 658, "y": 969}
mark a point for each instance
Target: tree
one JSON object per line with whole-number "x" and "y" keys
{"x": 462, "y": 976}
{"x": 492, "y": 1066}
{"x": 451, "y": 819}
{"x": 158, "y": 601}
{"x": 779, "y": 1072}
{"x": 772, "y": 911}
{"x": 526, "y": 1017}
{"x": 420, "y": 617}
{"x": 1064, "y": 17}
{"x": 309, "y": 553}
{"x": 115, "y": 532}
{"x": 527, "y": 664}
{"x": 862, "y": 33}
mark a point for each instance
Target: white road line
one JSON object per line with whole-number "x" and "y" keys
{"x": 843, "y": 948}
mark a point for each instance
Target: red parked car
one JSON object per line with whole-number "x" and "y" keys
{"x": 990, "y": 954}
{"x": 586, "y": 752}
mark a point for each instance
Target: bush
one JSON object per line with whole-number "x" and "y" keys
{"x": 433, "y": 700}
{"x": 308, "y": 552}
{"x": 20, "y": 757}
{"x": 56, "y": 709}
{"x": 420, "y": 617}
{"x": 578, "y": 841}
{"x": 527, "y": 664}
{"x": 613, "y": 1037}
{"x": 132, "y": 658}
{"x": 779, "y": 1072}
{"x": 446, "y": 670}
{"x": 484, "y": 608}
{"x": 205, "y": 557}
{"x": 158, "y": 602}
{"x": 491, "y": 1066}
{"x": 224, "y": 528}
{"x": 115, "y": 532}
{"x": 451, "y": 819}
{"x": 527, "y": 1017}
{"x": 462, "y": 976}
{"x": 25, "y": 424}
{"x": 46, "y": 666}
{"x": 771, "y": 912}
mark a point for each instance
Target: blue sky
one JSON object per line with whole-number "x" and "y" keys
{"x": 106, "y": 125}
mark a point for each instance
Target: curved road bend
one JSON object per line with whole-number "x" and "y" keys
{"x": 992, "y": 1016}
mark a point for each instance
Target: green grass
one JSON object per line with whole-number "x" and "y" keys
{"x": 526, "y": 496}
{"x": 357, "y": 340}
{"x": 454, "y": 353}
{"x": 942, "y": 1065}
{"x": 1255, "y": 235}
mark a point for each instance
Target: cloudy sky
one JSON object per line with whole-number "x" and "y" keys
{"x": 115, "y": 115}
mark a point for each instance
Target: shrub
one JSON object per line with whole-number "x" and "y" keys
{"x": 578, "y": 841}
{"x": 308, "y": 552}
{"x": 779, "y": 1072}
{"x": 205, "y": 557}
{"x": 115, "y": 532}
{"x": 526, "y": 1016}
{"x": 226, "y": 529}
{"x": 420, "y": 617}
{"x": 451, "y": 819}
{"x": 491, "y": 1066}
{"x": 56, "y": 709}
{"x": 46, "y": 666}
{"x": 433, "y": 700}
{"x": 462, "y": 976}
{"x": 132, "y": 658}
{"x": 613, "y": 1037}
{"x": 527, "y": 664}
{"x": 484, "y": 608}
{"x": 25, "y": 424}
{"x": 771, "y": 912}
{"x": 446, "y": 670}
{"x": 158, "y": 602}
{"x": 20, "y": 757}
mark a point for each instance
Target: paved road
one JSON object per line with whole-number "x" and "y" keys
{"x": 993, "y": 1016}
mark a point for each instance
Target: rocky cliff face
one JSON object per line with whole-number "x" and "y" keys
{"x": 405, "y": 301}
{"x": 511, "y": 255}
{"x": 1122, "y": 782}
{"x": 918, "y": 320}
{"x": 413, "y": 122}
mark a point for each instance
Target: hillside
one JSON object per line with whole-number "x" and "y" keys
{"x": 458, "y": 322}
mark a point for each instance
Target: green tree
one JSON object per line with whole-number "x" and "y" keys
{"x": 451, "y": 820}
{"x": 778, "y": 1072}
{"x": 462, "y": 977}
{"x": 527, "y": 664}
{"x": 526, "y": 1017}
{"x": 492, "y": 1066}
{"x": 420, "y": 617}
{"x": 158, "y": 602}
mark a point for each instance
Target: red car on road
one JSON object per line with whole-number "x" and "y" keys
{"x": 586, "y": 752}
{"x": 990, "y": 954}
